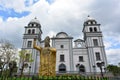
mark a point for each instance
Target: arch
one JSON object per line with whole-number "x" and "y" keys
{"x": 94, "y": 22}
{"x": 62, "y": 68}
{"x": 33, "y": 31}
{"x": 81, "y": 68}
{"x": 89, "y": 22}
{"x": 95, "y": 29}
{"x": 91, "y": 30}
{"x": 29, "y": 31}
{"x": 32, "y": 24}
{"x": 79, "y": 45}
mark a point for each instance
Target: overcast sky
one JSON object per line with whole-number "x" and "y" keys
{"x": 62, "y": 15}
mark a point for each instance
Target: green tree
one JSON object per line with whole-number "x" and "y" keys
{"x": 8, "y": 53}
{"x": 25, "y": 56}
{"x": 114, "y": 69}
{"x": 12, "y": 68}
{"x": 1, "y": 63}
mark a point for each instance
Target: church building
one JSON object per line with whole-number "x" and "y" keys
{"x": 86, "y": 56}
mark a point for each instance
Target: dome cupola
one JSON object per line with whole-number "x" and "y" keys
{"x": 62, "y": 35}
{"x": 34, "y": 23}
{"x": 90, "y": 21}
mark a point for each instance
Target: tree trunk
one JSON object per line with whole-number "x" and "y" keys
{"x": 22, "y": 70}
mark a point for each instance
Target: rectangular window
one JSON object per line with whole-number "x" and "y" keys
{"x": 27, "y": 57}
{"x": 61, "y": 46}
{"x": 95, "y": 42}
{"x": 97, "y": 56}
{"x": 80, "y": 58}
{"x": 29, "y": 44}
{"x": 61, "y": 57}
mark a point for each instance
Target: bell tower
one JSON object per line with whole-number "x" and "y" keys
{"x": 32, "y": 30}
{"x": 94, "y": 43}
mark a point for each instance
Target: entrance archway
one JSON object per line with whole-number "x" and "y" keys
{"x": 81, "y": 68}
{"x": 62, "y": 68}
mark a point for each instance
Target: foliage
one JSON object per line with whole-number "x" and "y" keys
{"x": 15, "y": 78}
{"x": 12, "y": 67}
{"x": 25, "y": 56}
{"x": 72, "y": 77}
{"x": 62, "y": 77}
{"x": 8, "y": 54}
{"x": 114, "y": 69}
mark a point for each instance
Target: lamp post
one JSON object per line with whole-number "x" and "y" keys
{"x": 78, "y": 66}
{"x": 105, "y": 70}
{"x": 100, "y": 64}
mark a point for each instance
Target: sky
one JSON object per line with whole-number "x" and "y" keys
{"x": 62, "y": 15}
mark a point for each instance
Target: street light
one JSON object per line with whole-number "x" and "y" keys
{"x": 105, "y": 70}
{"x": 78, "y": 66}
{"x": 100, "y": 64}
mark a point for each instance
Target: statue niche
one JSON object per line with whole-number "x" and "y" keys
{"x": 47, "y": 58}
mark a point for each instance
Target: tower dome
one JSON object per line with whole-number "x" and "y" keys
{"x": 34, "y": 22}
{"x": 90, "y": 21}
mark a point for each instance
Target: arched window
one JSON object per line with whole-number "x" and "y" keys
{"x": 29, "y": 31}
{"x": 62, "y": 68}
{"x": 33, "y": 31}
{"x": 79, "y": 45}
{"x": 90, "y": 29}
{"x": 81, "y": 68}
{"x": 89, "y": 22}
{"x": 95, "y": 29}
{"x": 32, "y": 24}
{"x": 94, "y": 22}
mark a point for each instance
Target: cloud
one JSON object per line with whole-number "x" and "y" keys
{"x": 1, "y": 20}
{"x": 52, "y": 17}
{"x": 113, "y": 56}
{"x": 107, "y": 13}
{"x": 17, "y": 5}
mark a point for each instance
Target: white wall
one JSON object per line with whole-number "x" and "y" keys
{"x": 80, "y": 52}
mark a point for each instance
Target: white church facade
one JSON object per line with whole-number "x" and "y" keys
{"x": 80, "y": 58}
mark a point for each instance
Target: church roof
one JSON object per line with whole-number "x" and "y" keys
{"x": 78, "y": 40}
